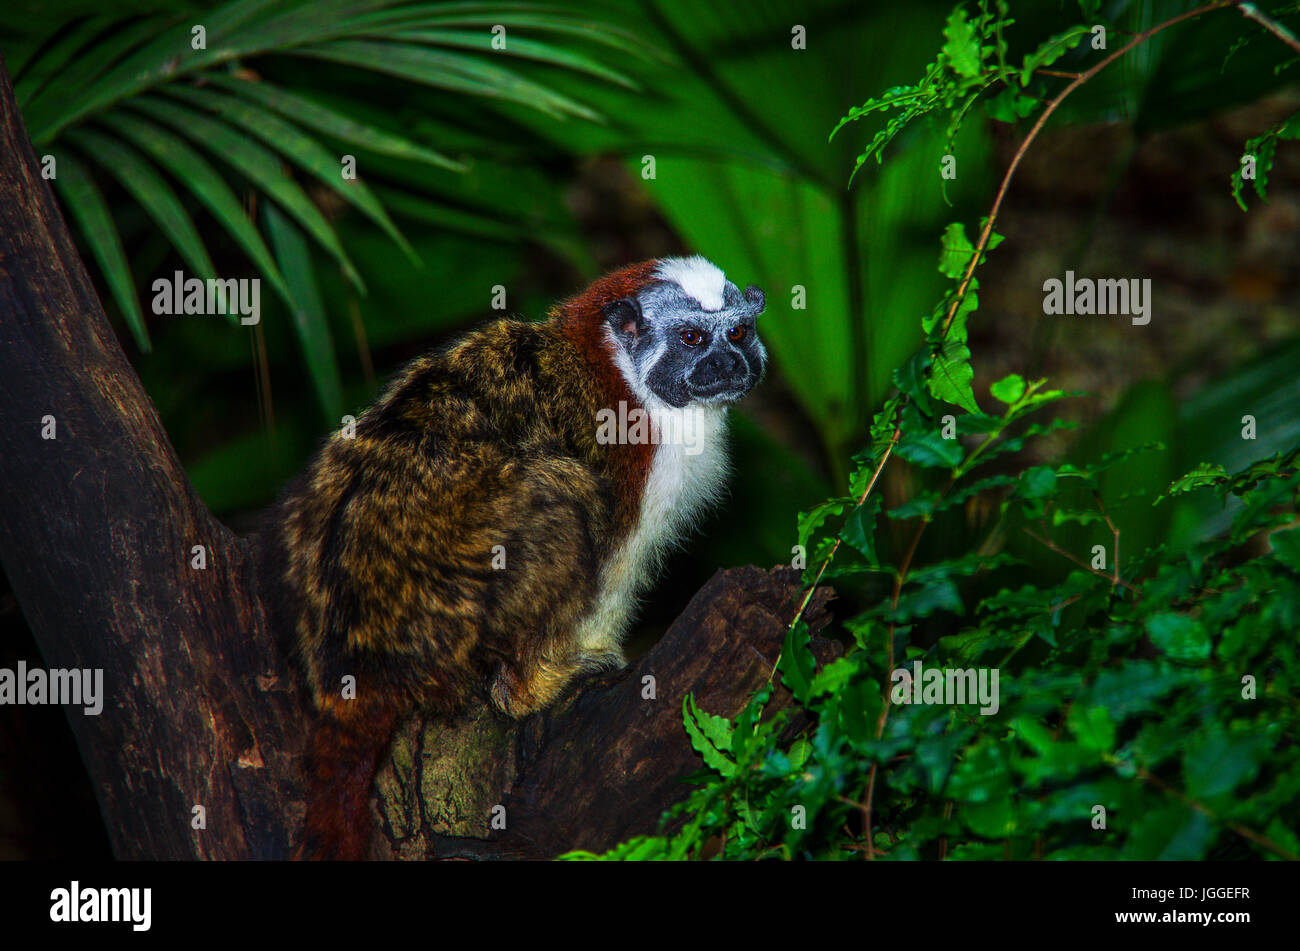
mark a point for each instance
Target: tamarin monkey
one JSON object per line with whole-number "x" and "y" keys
{"x": 494, "y": 517}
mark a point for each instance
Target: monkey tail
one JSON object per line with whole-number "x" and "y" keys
{"x": 343, "y": 753}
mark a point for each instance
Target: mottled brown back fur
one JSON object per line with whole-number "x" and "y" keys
{"x": 380, "y": 556}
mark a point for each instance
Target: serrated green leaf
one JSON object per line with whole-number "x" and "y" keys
{"x": 832, "y": 677}
{"x": 955, "y": 251}
{"x": 930, "y": 449}
{"x": 962, "y": 47}
{"x": 953, "y": 378}
{"x": 1051, "y": 50}
{"x": 814, "y": 518}
{"x": 701, "y": 727}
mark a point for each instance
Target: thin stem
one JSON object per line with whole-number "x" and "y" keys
{"x": 1078, "y": 81}
{"x": 1252, "y": 12}
{"x": 1241, "y": 830}
{"x": 1082, "y": 564}
{"x": 1101, "y": 506}
{"x": 898, "y": 432}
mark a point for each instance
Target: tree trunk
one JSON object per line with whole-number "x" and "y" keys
{"x": 99, "y": 529}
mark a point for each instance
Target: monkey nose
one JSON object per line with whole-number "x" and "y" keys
{"x": 716, "y": 367}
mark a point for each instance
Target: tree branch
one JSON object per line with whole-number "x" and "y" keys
{"x": 97, "y": 529}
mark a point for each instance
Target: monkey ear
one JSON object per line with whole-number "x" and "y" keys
{"x": 755, "y": 296}
{"x": 624, "y": 315}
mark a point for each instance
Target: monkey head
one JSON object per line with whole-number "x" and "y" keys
{"x": 688, "y": 335}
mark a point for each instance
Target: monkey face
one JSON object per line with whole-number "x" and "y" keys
{"x": 691, "y": 342}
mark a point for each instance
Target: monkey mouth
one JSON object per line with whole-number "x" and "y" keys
{"x": 721, "y": 391}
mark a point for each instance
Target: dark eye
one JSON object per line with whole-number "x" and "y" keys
{"x": 692, "y": 338}
{"x": 736, "y": 334}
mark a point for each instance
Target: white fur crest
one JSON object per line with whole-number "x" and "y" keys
{"x": 699, "y": 277}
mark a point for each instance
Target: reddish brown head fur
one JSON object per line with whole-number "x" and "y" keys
{"x": 582, "y": 320}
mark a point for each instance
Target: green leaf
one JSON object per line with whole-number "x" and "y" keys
{"x": 1038, "y": 482}
{"x": 953, "y": 376}
{"x": 921, "y": 505}
{"x": 919, "y": 602}
{"x": 832, "y": 677}
{"x": 910, "y": 379}
{"x": 152, "y": 192}
{"x": 522, "y": 48}
{"x": 194, "y": 172}
{"x": 451, "y": 71}
{"x": 1009, "y": 389}
{"x": 860, "y": 528}
{"x": 522, "y": 16}
{"x": 1179, "y": 636}
{"x": 955, "y": 251}
{"x": 1052, "y": 50}
{"x": 83, "y": 200}
{"x": 797, "y": 665}
{"x": 1009, "y": 105}
{"x": 716, "y": 729}
{"x": 1093, "y": 726}
{"x": 308, "y": 312}
{"x": 703, "y": 728}
{"x": 813, "y": 519}
{"x": 302, "y": 150}
{"x": 1217, "y": 763}
{"x": 309, "y": 113}
{"x": 1170, "y": 833}
{"x": 1286, "y": 547}
{"x": 1262, "y": 148}
{"x": 927, "y": 447}
{"x": 1136, "y": 687}
{"x": 1206, "y": 474}
{"x": 962, "y": 47}
{"x": 257, "y": 164}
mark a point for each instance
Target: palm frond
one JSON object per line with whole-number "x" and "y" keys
{"x": 90, "y": 211}
{"x": 136, "y": 99}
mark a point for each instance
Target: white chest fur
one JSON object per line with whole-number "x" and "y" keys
{"x": 687, "y": 473}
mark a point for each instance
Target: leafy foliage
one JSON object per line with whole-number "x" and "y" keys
{"x": 1159, "y": 690}
{"x": 1139, "y": 707}
{"x": 973, "y": 61}
{"x": 1261, "y": 149}
{"x": 146, "y": 102}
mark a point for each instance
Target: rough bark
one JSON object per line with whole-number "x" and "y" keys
{"x": 97, "y": 534}
{"x": 96, "y": 531}
{"x": 604, "y": 765}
